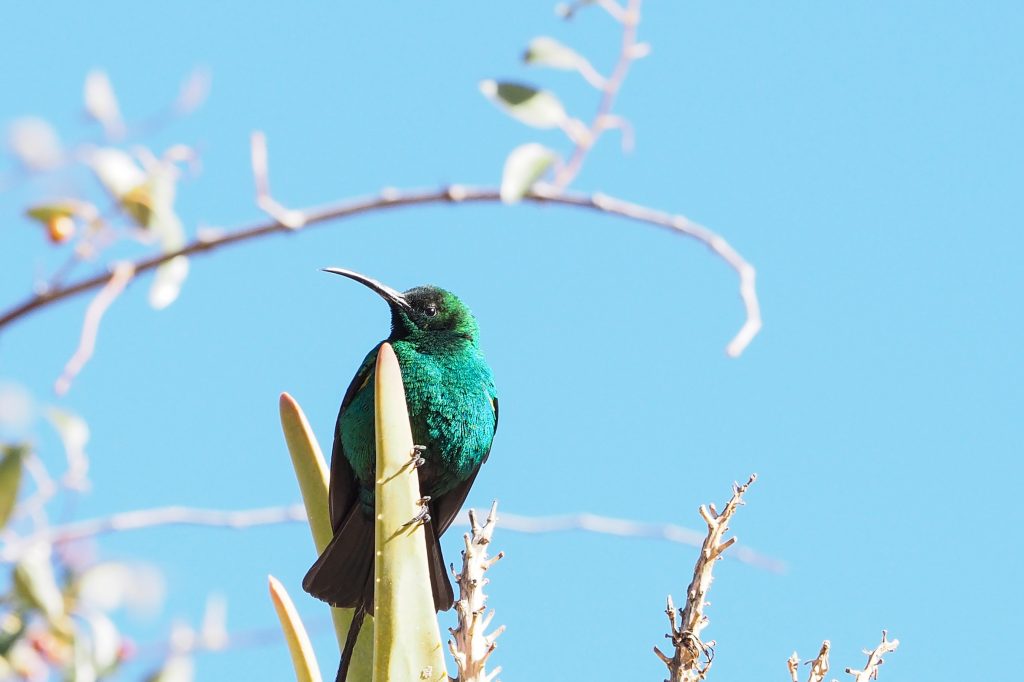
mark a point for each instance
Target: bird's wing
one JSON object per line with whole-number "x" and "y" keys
{"x": 343, "y": 481}
{"x": 448, "y": 507}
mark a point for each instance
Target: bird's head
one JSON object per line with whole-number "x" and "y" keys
{"x": 423, "y": 310}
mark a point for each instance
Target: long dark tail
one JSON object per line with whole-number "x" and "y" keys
{"x": 350, "y": 643}
{"x": 343, "y": 575}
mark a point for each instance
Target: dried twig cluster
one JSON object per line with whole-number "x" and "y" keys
{"x": 470, "y": 645}
{"x": 692, "y": 657}
{"x": 820, "y": 665}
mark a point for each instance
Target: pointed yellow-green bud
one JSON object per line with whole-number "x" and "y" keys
{"x": 406, "y": 642}
{"x": 313, "y": 476}
{"x": 303, "y": 659}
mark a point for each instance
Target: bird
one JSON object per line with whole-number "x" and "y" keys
{"x": 453, "y": 413}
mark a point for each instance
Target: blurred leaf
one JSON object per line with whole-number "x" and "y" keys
{"x": 523, "y": 167}
{"x": 105, "y": 643}
{"x": 12, "y": 627}
{"x": 167, "y": 282}
{"x": 138, "y": 203}
{"x": 58, "y": 217}
{"x": 537, "y": 108}
{"x": 117, "y": 171}
{"x": 44, "y": 213}
{"x": 193, "y": 91}
{"x": 303, "y": 659}
{"x": 177, "y": 668}
{"x": 101, "y": 103}
{"x": 82, "y": 667}
{"x": 12, "y": 463}
{"x": 165, "y": 224}
{"x": 113, "y": 585}
{"x": 74, "y": 434}
{"x": 35, "y": 584}
{"x": 16, "y": 409}
{"x": 214, "y": 630}
{"x": 35, "y": 143}
{"x": 545, "y": 51}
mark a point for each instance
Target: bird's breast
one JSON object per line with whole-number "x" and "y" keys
{"x": 451, "y": 412}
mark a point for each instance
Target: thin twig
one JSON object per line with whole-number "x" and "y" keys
{"x": 692, "y": 657}
{"x": 606, "y": 525}
{"x": 149, "y": 518}
{"x": 248, "y": 518}
{"x": 630, "y": 19}
{"x": 455, "y": 194}
{"x": 119, "y": 278}
{"x": 261, "y": 176}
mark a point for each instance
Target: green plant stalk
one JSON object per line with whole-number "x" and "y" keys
{"x": 314, "y": 481}
{"x": 303, "y": 658}
{"x": 406, "y": 641}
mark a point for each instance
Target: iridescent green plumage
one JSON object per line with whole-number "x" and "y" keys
{"x": 453, "y": 411}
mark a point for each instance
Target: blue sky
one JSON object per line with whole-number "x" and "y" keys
{"x": 866, "y": 158}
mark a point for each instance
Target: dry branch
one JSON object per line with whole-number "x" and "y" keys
{"x": 454, "y": 194}
{"x": 870, "y": 670}
{"x": 692, "y": 657}
{"x": 470, "y": 645}
{"x": 819, "y": 666}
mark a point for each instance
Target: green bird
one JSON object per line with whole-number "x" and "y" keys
{"x": 453, "y": 412}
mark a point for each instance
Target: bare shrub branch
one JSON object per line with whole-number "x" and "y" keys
{"x": 692, "y": 657}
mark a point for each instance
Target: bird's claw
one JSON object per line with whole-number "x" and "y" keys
{"x": 423, "y": 515}
{"x": 417, "y": 456}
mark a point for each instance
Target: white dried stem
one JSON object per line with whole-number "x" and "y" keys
{"x": 819, "y": 666}
{"x": 471, "y": 645}
{"x": 692, "y": 657}
{"x": 290, "y": 218}
{"x": 121, "y": 274}
{"x": 629, "y": 17}
{"x": 870, "y": 671}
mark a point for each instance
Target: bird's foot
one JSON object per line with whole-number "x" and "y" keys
{"x": 423, "y": 515}
{"x": 417, "y": 455}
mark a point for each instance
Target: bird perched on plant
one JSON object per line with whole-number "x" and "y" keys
{"x": 453, "y": 412}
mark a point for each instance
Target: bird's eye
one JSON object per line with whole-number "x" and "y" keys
{"x": 430, "y": 310}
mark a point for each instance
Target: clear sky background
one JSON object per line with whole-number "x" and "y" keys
{"x": 865, "y": 157}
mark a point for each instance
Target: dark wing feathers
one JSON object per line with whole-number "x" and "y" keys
{"x": 343, "y": 480}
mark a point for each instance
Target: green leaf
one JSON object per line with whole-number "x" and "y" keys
{"x": 313, "y": 477}
{"x": 523, "y": 167}
{"x": 12, "y": 463}
{"x": 12, "y": 627}
{"x": 407, "y": 642}
{"x": 303, "y": 659}
{"x": 545, "y": 51}
{"x": 537, "y": 108}
{"x": 35, "y": 584}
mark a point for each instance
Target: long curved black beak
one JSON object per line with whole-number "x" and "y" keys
{"x": 394, "y": 298}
